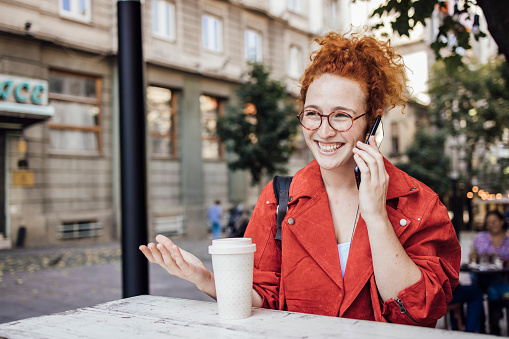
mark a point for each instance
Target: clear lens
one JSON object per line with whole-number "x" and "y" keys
{"x": 340, "y": 121}
{"x": 310, "y": 119}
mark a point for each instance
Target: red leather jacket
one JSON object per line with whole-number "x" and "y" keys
{"x": 303, "y": 273}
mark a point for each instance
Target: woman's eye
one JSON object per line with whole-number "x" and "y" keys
{"x": 311, "y": 114}
{"x": 339, "y": 116}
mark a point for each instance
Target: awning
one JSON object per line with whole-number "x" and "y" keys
{"x": 18, "y": 116}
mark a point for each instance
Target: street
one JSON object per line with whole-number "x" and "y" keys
{"x": 34, "y": 282}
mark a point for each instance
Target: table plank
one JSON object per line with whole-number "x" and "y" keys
{"x": 162, "y": 317}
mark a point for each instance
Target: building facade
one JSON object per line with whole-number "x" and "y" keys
{"x": 59, "y": 148}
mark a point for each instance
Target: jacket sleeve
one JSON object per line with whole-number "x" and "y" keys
{"x": 432, "y": 244}
{"x": 267, "y": 259}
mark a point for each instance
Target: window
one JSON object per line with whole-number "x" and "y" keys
{"x": 212, "y": 33}
{"x": 163, "y": 19}
{"x": 253, "y": 42}
{"x": 331, "y": 13}
{"x": 76, "y": 125}
{"x": 211, "y": 108}
{"x": 294, "y": 5}
{"x": 80, "y": 10}
{"x": 161, "y": 116}
{"x": 295, "y": 64}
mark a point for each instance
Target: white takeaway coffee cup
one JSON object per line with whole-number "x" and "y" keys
{"x": 232, "y": 262}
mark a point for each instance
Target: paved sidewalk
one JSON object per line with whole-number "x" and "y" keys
{"x": 35, "y": 282}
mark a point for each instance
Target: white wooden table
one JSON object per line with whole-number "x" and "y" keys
{"x": 162, "y": 317}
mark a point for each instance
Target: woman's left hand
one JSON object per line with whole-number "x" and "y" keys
{"x": 374, "y": 180}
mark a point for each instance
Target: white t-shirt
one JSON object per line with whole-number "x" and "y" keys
{"x": 343, "y": 249}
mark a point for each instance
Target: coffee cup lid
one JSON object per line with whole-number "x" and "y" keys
{"x": 232, "y": 246}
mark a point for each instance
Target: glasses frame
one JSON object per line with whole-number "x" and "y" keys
{"x": 328, "y": 119}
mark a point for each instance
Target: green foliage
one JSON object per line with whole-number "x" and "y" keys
{"x": 453, "y": 37}
{"x": 261, "y": 142}
{"x": 493, "y": 174}
{"x": 471, "y": 101}
{"x": 427, "y": 161}
{"x": 472, "y": 104}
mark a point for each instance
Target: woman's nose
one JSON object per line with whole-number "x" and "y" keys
{"x": 326, "y": 129}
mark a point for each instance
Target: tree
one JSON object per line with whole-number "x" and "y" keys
{"x": 453, "y": 36}
{"x": 471, "y": 105}
{"x": 426, "y": 152}
{"x": 260, "y": 130}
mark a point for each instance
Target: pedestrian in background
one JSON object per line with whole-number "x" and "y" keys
{"x": 233, "y": 215}
{"x": 240, "y": 225}
{"x": 214, "y": 214}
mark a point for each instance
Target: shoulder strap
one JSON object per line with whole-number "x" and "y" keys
{"x": 281, "y": 185}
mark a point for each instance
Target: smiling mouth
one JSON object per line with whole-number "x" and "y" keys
{"x": 329, "y": 147}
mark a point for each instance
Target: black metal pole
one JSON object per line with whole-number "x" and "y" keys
{"x": 456, "y": 208}
{"x": 132, "y": 148}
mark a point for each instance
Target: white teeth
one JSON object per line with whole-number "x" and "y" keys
{"x": 329, "y": 148}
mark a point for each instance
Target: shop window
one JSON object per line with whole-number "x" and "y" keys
{"x": 161, "y": 118}
{"x": 295, "y": 62}
{"x": 211, "y": 108}
{"x": 80, "y": 10}
{"x": 76, "y": 125}
{"x": 253, "y": 42}
{"x": 163, "y": 19}
{"x": 212, "y": 33}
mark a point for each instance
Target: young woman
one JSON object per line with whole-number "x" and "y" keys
{"x": 385, "y": 251}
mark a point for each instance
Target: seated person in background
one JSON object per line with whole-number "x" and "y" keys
{"x": 493, "y": 242}
{"x": 471, "y": 295}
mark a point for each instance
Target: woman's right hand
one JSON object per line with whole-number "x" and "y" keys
{"x": 180, "y": 263}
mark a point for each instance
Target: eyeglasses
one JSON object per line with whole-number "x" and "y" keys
{"x": 339, "y": 121}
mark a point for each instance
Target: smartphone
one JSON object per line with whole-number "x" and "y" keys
{"x": 371, "y": 133}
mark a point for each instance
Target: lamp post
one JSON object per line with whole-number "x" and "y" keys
{"x": 455, "y": 200}
{"x": 132, "y": 148}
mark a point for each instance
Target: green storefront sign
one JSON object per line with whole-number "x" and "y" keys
{"x": 23, "y": 101}
{"x": 23, "y": 90}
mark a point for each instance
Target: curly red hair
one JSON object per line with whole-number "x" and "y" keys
{"x": 373, "y": 64}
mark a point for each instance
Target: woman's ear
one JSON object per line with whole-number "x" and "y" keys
{"x": 372, "y": 119}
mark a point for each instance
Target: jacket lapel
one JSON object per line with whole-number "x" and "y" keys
{"x": 359, "y": 267}
{"x": 313, "y": 228}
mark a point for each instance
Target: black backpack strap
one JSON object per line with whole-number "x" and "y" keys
{"x": 281, "y": 187}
